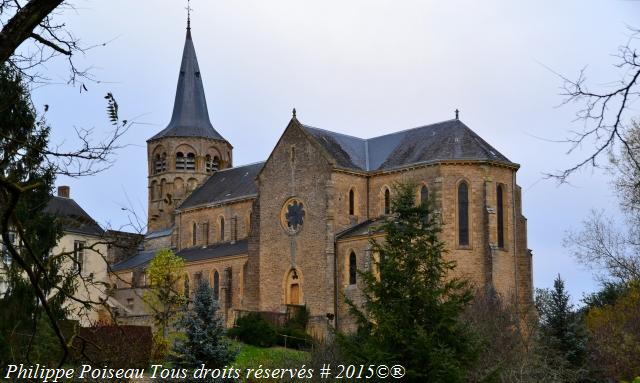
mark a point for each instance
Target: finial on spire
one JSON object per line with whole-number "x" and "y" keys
{"x": 294, "y": 112}
{"x": 457, "y": 114}
{"x": 188, "y": 15}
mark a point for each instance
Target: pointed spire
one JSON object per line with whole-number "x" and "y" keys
{"x": 190, "y": 116}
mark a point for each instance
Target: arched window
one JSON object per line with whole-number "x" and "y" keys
{"x": 205, "y": 233}
{"x": 387, "y": 201}
{"x": 207, "y": 163}
{"x": 221, "y": 229}
{"x": 424, "y": 195}
{"x": 190, "y": 161}
{"x": 186, "y": 286}
{"x": 216, "y": 285}
{"x": 163, "y": 162}
{"x": 194, "y": 234}
{"x": 157, "y": 164}
{"x": 500, "y": 213}
{"x": 463, "y": 214}
{"x": 211, "y": 164}
{"x": 352, "y": 202}
{"x": 352, "y": 268}
{"x": 181, "y": 163}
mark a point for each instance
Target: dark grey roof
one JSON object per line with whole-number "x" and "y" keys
{"x": 159, "y": 233}
{"x": 190, "y": 116}
{"x": 448, "y": 140}
{"x": 370, "y": 226}
{"x": 225, "y": 249}
{"x": 193, "y": 254}
{"x": 140, "y": 259}
{"x": 72, "y": 217}
{"x": 224, "y": 185}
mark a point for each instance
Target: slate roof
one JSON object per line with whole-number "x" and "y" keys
{"x": 190, "y": 116}
{"x": 189, "y": 255}
{"x": 447, "y": 140}
{"x": 72, "y": 217}
{"x": 367, "y": 227}
{"x": 140, "y": 259}
{"x": 225, "y": 185}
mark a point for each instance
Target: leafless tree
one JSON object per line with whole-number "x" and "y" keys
{"x": 613, "y": 252}
{"x": 32, "y": 34}
{"x": 606, "y": 112}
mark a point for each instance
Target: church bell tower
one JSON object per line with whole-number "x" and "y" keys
{"x": 188, "y": 150}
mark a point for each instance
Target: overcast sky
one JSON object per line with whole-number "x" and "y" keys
{"x": 363, "y": 68}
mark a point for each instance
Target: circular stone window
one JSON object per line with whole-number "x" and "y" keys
{"x": 292, "y": 216}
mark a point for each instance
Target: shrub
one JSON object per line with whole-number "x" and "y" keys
{"x": 254, "y": 330}
{"x": 115, "y": 346}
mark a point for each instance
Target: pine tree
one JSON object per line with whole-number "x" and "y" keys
{"x": 205, "y": 341}
{"x": 412, "y": 306}
{"x": 561, "y": 330}
{"x": 26, "y": 180}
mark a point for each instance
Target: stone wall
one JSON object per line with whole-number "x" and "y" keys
{"x": 297, "y": 168}
{"x": 211, "y": 216}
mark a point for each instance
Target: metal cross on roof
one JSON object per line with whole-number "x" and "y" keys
{"x": 189, "y": 9}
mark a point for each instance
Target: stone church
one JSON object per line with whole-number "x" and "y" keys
{"x": 293, "y": 230}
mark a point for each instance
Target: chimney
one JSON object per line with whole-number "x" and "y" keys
{"x": 64, "y": 191}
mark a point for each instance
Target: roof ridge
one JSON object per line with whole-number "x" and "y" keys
{"x": 414, "y": 128}
{"x": 331, "y": 131}
{"x": 239, "y": 167}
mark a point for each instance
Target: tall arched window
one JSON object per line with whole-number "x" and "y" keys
{"x": 463, "y": 214}
{"x": 387, "y": 201}
{"x": 216, "y": 285}
{"x": 180, "y": 161}
{"x": 194, "y": 234}
{"x": 352, "y": 268}
{"x": 352, "y": 202}
{"x": 500, "y": 213}
{"x": 163, "y": 162}
{"x": 207, "y": 163}
{"x": 205, "y": 233}
{"x": 157, "y": 164}
{"x": 424, "y": 195}
{"x": 221, "y": 229}
{"x": 190, "y": 162}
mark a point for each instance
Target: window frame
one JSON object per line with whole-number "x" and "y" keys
{"x": 460, "y": 228}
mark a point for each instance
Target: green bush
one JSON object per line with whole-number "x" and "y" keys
{"x": 254, "y": 330}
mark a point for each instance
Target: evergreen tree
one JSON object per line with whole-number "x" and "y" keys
{"x": 560, "y": 327}
{"x": 34, "y": 278}
{"x": 412, "y": 305}
{"x": 205, "y": 341}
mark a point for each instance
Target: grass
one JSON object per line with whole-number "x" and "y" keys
{"x": 272, "y": 357}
